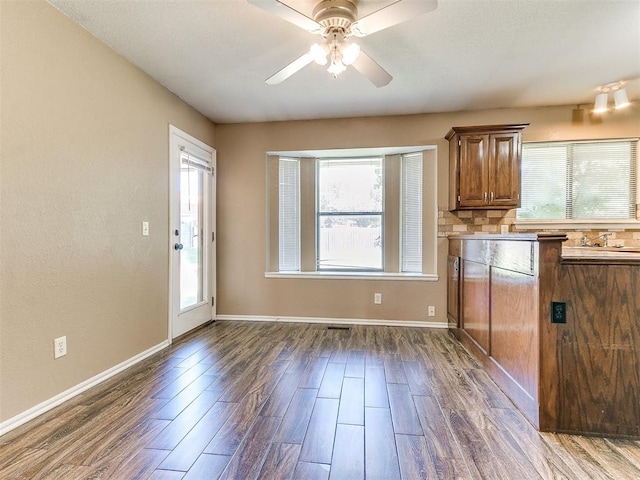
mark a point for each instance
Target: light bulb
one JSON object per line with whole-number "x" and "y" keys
{"x": 336, "y": 68}
{"x": 350, "y": 53}
{"x": 318, "y": 54}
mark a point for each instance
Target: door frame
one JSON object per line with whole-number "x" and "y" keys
{"x": 178, "y": 138}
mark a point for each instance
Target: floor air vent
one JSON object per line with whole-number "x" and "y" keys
{"x": 337, "y": 327}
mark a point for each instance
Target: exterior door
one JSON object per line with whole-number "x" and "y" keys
{"x": 191, "y": 236}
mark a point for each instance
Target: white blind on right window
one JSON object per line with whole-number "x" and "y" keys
{"x": 579, "y": 180}
{"x": 411, "y": 213}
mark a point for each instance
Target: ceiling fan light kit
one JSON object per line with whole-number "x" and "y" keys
{"x": 336, "y": 21}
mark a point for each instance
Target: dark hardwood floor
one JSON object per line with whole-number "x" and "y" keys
{"x": 240, "y": 400}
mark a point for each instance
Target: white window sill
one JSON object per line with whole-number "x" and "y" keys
{"x": 577, "y": 225}
{"x": 421, "y": 277}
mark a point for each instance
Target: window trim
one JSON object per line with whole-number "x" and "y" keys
{"x": 373, "y": 275}
{"x": 430, "y": 237}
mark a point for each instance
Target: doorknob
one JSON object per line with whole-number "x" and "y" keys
{"x": 178, "y": 246}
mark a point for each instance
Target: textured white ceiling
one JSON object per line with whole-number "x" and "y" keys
{"x": 465, "y": 55}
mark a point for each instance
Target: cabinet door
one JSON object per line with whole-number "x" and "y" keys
{"x": 453, "y": 290}
{"x": 474, "y": 170}
{"x": 504, "y": 169}
{"x": 475, "y": 302}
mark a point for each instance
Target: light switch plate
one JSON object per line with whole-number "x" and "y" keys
{"x": 145, "y": 229}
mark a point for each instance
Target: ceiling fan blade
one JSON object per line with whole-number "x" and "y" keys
{"x": 289, "y": 70}
{"x": 370, "y": 69}
{"x": 289, "y": 14}
{"x": 398, "y": 12}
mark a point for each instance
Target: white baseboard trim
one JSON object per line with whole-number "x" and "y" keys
{"x": 334, "y": 321}
{"x": 47, "y": 405}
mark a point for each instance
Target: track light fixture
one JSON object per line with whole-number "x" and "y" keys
{"x": 601, "y": 103}
{"x": 619, "y": 97}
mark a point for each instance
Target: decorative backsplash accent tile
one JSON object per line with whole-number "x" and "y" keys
{"x": 489, "y": 221}
{"x": 473, "y": 221}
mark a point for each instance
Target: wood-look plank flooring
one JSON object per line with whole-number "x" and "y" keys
{"x": 242, "y": 400}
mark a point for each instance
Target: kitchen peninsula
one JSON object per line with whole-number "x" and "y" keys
{"x": 557, "y": 329}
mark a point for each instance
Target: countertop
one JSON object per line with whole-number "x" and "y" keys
{"x": 528, "y": 237}
{"x": 603, "y": 255}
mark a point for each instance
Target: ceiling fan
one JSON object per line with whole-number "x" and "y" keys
{"x": 337, "y": 21}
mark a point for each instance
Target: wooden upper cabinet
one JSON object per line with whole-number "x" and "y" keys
{"x": 484, "y": 166}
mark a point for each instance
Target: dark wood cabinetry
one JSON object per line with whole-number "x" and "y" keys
{"x": 475, "y": 302}
{"x": 484, "y": 163}
{"x": 453, "y": 289}
{"x": 501, "y": 308}
{"x": 577, "y": 376}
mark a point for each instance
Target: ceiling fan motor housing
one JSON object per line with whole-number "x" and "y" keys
{"x": 332, "y": 14}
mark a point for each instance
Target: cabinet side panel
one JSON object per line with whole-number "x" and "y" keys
{"x": 475, "y": 302}
{"x": 599, "y": 350}
{"x": 453, "y": 291}
{"x": 514, "y": 333}
{"x": 454, "y": 173}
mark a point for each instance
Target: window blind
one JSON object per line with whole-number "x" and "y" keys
{"x": 603, "y": 180}
{"x": 579, "y": 180}
{"x": 543, "y": 182}
{"x": 411, "y": 215}
{"x": 289, "y": 214}
{"x": 197, "y": 162}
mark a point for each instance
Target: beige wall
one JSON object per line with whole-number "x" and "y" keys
{"x": 84, "y": 145}
{"x": 242, "y": 288}
{"x": 84, "y": 159}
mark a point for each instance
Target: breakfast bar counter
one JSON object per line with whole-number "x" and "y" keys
{"x": 557, "y": 328}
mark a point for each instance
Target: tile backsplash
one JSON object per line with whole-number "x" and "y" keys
{"x": 489, "y": 221}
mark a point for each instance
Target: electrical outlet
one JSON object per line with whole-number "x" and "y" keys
{"x": 432, "y": 311}
{"x": 59, "y": 347}
{"x": 377, "y": 298}
{"x": 558, "y": 312}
